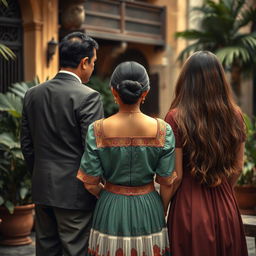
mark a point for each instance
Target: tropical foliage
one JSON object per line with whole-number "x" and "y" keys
{"x": 102, "y": 86}
{"x": 6, "y": 52}
{"x": 4, "y": 2}
{"x": 15, "y": 180}
{"x": 221, "y": 30}
{"x": 248, "y": 176}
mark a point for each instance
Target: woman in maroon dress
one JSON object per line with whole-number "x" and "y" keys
{"x": 204, "y": 219}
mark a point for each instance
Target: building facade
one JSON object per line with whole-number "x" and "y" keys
{"x": 142, "y": 31}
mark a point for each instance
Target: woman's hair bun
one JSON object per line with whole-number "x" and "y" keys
{"x": 130, "y": 79}
{"x": 129, "y": 91}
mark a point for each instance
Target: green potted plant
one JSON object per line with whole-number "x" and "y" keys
{"x": 15, "y": 181}
{"x": 246, "y": 186}
{"x": 102, "y": 86}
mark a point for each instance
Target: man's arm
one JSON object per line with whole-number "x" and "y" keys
{"x": 91, "y": 110}
{"x": 26, "y": 140}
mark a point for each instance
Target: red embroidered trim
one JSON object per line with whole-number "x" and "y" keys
{"x": 102, "y": 142}
{"x": 119, "y": 252}
{"x": 166, "y": 180}
{"x": 134, "y": 252}
{"x": 130, "y": 191}
{"x": 88, "y": 179}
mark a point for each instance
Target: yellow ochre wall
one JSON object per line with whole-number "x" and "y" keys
{"x": 40, "y": 24}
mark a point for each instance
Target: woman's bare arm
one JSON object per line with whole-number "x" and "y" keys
{"x": 94, "y": 189}
{"x": 167, "y": 192}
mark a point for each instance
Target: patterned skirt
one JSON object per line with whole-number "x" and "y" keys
{"x": 129, "y": 225}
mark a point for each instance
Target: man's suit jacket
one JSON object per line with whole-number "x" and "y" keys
{"x": 56, "y": 115}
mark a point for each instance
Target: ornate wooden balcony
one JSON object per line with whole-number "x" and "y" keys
{"x": 128, "y": 21}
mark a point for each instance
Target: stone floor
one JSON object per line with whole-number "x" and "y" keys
{"x": 24, "y": 250}
{"x": 250, "y": 245}
{"x": 29, "y": 250}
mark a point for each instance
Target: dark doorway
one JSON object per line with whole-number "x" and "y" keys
{"x": 11, "y": 35}
{"x": 151, "y": 105}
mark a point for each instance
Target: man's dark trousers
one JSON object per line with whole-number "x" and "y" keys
{"x": 70, "y": 234}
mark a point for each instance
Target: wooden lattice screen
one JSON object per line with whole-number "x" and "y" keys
{"x": 126, "y": 21}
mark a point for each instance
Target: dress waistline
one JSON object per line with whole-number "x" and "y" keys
{"x": 129, "y": 191}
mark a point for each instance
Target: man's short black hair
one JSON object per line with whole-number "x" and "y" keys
{"x": 74, "y": 47}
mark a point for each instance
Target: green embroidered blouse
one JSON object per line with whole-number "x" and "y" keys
{"x": 128, "y": 161}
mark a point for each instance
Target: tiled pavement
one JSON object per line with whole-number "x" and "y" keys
{"x": 24, "y": 250}
{"x": 29, "y": 250}
{"x": 250, "y": 245}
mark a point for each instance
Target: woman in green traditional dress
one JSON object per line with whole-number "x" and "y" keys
{"x": 128, "y": 150}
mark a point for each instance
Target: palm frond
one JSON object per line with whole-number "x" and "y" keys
{"x": 4, "y": 2}
{"x": 19, "y": 89}
{"x": 238, "y": 5}
{"x": 216, "y": 19}
{"x": 205, "y": 40}
{"x": 191, "y": 34}
{"x": 17, "y": 153}
{"x": 248, "y": 40}
{"x": 11, "y": 103}
{"x": 228, "y": 55}
{"x": 204, "y": 9}
{"x": 246, "y": 16}
{"x": 220, "y": 8}
{"x": 220, "y": 23}
{"x": 36, "y": 81}
{"x": 8, "y": 140}
{"x": 189, "y": 50}
{"x": 229, "y": 4}
{"x": 6, "y": 52}
{"x": 102, "y": 86}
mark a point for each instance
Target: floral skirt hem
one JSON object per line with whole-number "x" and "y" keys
{"x": 156, "y": 244}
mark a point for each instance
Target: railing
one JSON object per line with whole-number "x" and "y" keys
{"x": 125, "y": 21}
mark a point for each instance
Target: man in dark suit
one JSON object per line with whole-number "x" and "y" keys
{"x": 56, "y": 115}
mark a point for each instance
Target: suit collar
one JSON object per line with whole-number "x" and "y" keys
{"x": 72, "y": 74}
{"x": 67, "y": 76}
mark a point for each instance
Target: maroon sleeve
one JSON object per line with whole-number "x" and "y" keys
{"x": 170, "y": 120}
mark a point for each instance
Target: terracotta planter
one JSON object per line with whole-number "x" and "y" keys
{"x": 16, "y": 228}
{"x": 246, "y": 199}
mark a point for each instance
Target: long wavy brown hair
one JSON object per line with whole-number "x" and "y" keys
{"x": 210, "y": 122}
